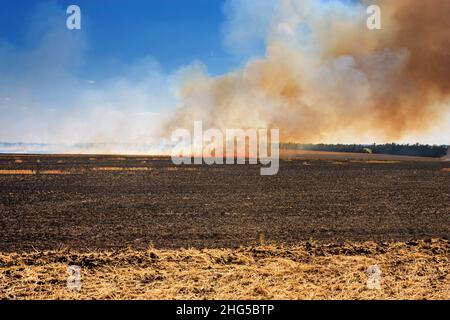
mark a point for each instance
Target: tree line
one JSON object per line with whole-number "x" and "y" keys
{"x": 418, "y": 150}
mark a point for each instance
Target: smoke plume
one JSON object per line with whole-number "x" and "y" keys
{"x": 310, "y": 68}
{"x": 326, "y": 77}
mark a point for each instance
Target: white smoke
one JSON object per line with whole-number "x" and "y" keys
{"x": 296, "y": 75}
{"x": 44, "y": 100}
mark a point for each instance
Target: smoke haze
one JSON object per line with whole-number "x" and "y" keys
{"x": 326, "y": 77}
{"x": 310, "y": 68}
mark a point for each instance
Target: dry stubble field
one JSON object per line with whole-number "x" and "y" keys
{"x": 140, "y": 227}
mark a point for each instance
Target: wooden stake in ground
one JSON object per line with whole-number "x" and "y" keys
{"x": 261, "y": 238}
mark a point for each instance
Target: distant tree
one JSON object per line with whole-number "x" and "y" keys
{"x": 418, "y": 150}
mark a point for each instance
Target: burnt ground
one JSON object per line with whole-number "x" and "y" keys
{"x": 104, "y": 202}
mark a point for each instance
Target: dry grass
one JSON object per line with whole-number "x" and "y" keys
{"x": 63, "y": 172}
{"x": 18, "y": 172}
{"x": 28, "y": 172}
{"x": 376, "y": 161}
{"x": 54, "y": 172}
{"x": 414, "y": 270}
{"x": 181, "y": 168}
{"x": 382, "y": 161}
{"x": 121, "y": 169}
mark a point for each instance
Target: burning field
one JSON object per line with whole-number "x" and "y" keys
{"x": 140, "y": 227}
{"x": 311, "y": 73}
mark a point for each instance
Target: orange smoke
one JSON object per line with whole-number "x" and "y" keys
{"x": 326, "y": 77}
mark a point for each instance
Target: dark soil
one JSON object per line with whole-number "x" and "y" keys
{"x": 216, "y": 206}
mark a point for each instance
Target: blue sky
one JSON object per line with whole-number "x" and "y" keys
{"x": 174, "y": 32}
{"x": 121, "y": 68}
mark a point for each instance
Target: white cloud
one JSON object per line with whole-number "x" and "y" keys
{"x": 247, "y": 25}
{"x": 52, "y": 104}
